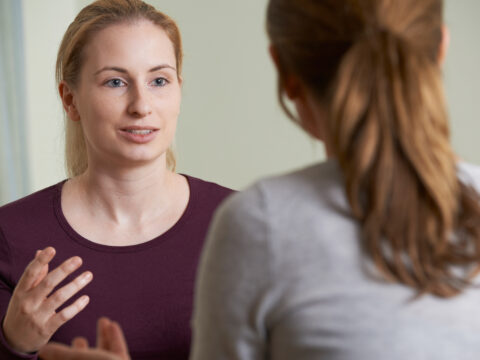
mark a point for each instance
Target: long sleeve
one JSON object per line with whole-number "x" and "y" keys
{"x": 232, "y": 297}
{"x": 6, "y": 290}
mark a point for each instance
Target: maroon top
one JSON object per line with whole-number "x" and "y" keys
{"x": 147, "y": 288}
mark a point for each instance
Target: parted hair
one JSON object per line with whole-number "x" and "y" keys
{"x": 374, "y": 64}
{"x": 70, "y": 58}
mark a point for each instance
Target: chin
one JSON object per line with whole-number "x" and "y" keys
{"x": 144, "y": 157}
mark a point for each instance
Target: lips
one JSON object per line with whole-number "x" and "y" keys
{"x": 136, "y": 129}
{"x": 139, "y": 134}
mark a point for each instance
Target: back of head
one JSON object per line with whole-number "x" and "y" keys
{"x": 92, "y": 19}
{"x": 374, "y": 64}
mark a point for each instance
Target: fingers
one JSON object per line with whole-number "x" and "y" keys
{"x": 66, "y": 314}
{"x": 43, "y": 271}
{"x": 31, "y": 319}
{"x": 56, "y": 300}
{"x": 118, "y": 344}
{"x": 80, "y": 343}
{"x": 110, "y": 337}
{"x": 41, "y": 276}
{"x": 54, "y": 351}
{"x": 34, "y": 269}
{"x": 113, "y": 339}
{"x": 56, "y": 276}
{"x": 103, "y": 325}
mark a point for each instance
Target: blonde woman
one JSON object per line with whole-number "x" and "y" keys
{"x": 137, "y": 226}
{"x": 372, "y": 254}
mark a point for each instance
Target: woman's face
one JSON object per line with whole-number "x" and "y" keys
{"x": 128, "y": 95}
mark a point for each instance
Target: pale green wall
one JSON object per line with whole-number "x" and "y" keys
{"x": 462, "y": 76}
{"x": 231, "y": 129}
{"x": 45, "y": 22}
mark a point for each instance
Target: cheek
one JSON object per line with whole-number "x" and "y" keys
{"x": 171, "y": 107}
{"x": 96, "y": 122}
{"x": 97, "y": 111}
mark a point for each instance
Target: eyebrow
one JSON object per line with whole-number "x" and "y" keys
{"x": 121, "y": 70}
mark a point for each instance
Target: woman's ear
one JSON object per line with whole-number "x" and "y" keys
{"x": 289, "y": 82}
{"x": 68, "y": 101}
{"x": 444, "y": 45}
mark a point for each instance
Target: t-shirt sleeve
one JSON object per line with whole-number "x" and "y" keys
{"x": 6, "y": 290}
{"x": 233, "y": 292}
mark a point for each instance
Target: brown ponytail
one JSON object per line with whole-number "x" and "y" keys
{"x": 389, "y": 130}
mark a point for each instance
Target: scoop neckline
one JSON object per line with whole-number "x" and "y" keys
{"x": 160, "y": 239}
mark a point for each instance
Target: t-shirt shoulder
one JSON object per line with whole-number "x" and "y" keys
{"x": 273, "y": 195}
{"x": 30, "y": 205}
{"x": 207, "y": 190}
{"x": 320, "y": 184}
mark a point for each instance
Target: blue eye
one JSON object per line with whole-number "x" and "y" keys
{"x": 160, "y": 82}
{"x": 115, "y": 83}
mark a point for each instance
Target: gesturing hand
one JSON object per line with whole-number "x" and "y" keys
{"x": 31, "y": 319}
{"x": 111, "y": 345}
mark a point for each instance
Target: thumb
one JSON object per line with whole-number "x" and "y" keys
{"x": 116, "y": 341}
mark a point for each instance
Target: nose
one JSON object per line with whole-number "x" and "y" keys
{"x": 139, "y": 105}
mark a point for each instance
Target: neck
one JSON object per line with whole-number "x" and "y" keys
{"x": 320, "y": 130}
{"x": 134, "y": 194}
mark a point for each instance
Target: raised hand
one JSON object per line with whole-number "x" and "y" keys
{"x": 31, "y": 317}
{"x": 111, "y": 345}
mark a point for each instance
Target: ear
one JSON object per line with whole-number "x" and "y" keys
{"x": 444, "y": 45}
{"x": 68, "y": 100}
{"x": 290, "y": 83}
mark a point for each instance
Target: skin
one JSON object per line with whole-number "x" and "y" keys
{"x": 111, "y": 345}
{"x": 312, "y": 116}
{"x": 31, "y": 319}
{"x": 129, "y": 80}
{"x": 127, "y": 196}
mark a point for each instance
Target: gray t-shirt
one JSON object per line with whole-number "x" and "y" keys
{"x": 283, "y": 277}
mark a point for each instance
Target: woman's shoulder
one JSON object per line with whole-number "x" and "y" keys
{"x": 31, "y": 205}
{"x": 469, "y": 174}
{"x": 286, "y": 196}
{"x": 207, "y": 191}
{"x": 317, "y": 178}
{"x": 312, "y": 183}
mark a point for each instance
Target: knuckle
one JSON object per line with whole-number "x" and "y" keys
{"x": 43, "y": 332}
{"x": 48, "y": 282}
{"x": 79, "y": 305}
{"x": 24, "y": 308}
{"x": 63, "y": 316}
{"x": 59, "y": 297}
{"x": 78, "y": 284}
{"x": 29, "y": 272}
{"x": 64, "y": 268}
{"x": 67, "y": 267}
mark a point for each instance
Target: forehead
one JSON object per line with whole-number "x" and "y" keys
{"x": 136, "y": 44}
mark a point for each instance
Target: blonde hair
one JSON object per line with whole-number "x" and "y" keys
{"x": 91, "y": 19}
{"x": 375, "y": 64}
